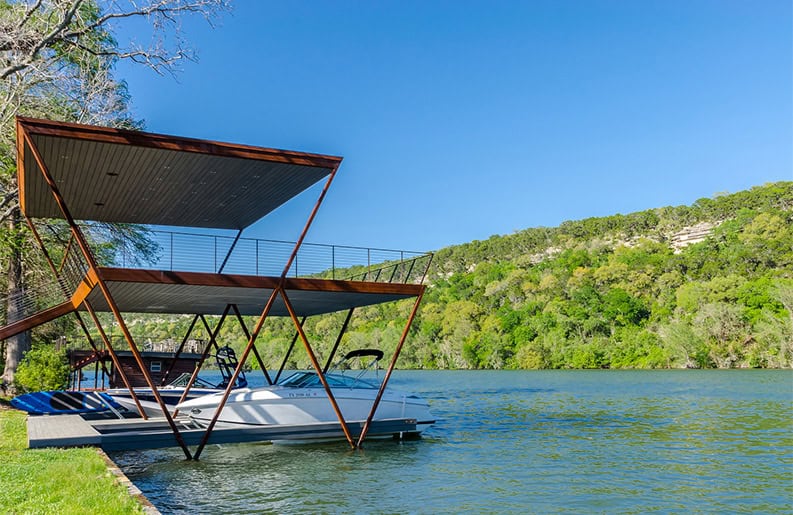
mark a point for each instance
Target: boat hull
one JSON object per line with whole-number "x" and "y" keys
{"x": 302, "y": 406}
{"x": 170, "y": 396}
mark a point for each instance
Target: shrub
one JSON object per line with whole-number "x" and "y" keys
{"x": 43, "y": 368}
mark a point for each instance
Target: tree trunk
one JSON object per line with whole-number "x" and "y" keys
{"x": 18, "y": 345}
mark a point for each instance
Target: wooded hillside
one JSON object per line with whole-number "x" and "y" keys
{"x": 612, "y": 292}
{"x": 608, "y": 292}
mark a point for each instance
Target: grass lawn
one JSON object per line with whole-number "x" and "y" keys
{"x": 57, "y": 481}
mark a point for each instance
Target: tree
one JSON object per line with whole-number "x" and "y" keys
{"x": 56, "y": 61}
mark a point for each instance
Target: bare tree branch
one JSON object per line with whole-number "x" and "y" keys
{"x": 24, "y": 41}
{"x": 56, "y": 61}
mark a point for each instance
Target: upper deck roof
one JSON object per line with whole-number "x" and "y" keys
{"x": 121, "y": 176}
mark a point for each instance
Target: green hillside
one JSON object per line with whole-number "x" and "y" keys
{"x": 609, "y": 292}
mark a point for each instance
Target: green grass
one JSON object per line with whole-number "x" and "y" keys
{"x": 57, "y": 481}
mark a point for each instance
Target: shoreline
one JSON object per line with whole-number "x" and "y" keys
{"x": 75, "y": 480}
{"x": 124, "y": 481}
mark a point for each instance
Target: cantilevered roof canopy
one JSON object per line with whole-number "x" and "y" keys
{"x": 121, "y": 176}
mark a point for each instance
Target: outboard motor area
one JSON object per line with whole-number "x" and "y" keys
{"x": 226, "y": 359}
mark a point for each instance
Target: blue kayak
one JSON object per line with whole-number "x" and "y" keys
{"x": 63, "y": 402}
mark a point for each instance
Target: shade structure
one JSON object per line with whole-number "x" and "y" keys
{"x": 119, "y": 176}
{"x": 78, "y": 172}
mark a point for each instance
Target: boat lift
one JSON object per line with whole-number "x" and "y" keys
{"x": 85, "y": 174}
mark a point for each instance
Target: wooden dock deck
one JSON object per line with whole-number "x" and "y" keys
{"x": 138, "y": 434}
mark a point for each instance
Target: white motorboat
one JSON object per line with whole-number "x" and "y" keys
{"x": 301, "y": 399}
{"x": 172, "y": 393}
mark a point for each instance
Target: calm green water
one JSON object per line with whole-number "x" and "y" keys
{"x": 517, "y": 442}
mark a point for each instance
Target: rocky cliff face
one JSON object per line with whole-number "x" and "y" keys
{"x": 690, "y": 235}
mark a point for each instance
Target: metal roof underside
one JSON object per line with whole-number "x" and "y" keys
{"x": 141, "y": 291}
{"x": 110, "y": 175}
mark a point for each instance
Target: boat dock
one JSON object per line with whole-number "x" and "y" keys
{"x": 156, "y": 433}
{"x": 90, "y": 173}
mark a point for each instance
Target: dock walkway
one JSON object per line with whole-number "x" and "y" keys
{"x": 138, "y": 434}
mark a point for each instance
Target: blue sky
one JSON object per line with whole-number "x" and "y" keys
{"x": 459, "y": 120}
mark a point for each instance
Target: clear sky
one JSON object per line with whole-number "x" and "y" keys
{"x": 459, "y": 120}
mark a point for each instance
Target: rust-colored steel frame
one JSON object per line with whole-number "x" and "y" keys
{"x": 94, "y": 269}
{"x": 318, "y": 369}
{"x": 213, "y": 335}
{"x": 289, "y": 351}
{"x": 114, "y": 358}
{"x": 94, "y": 277}
{"x": 391, "y": 366}
{"x": 338, "y": 340}
{"x": 34, "y": 126}
{"x": 255, "y": 350}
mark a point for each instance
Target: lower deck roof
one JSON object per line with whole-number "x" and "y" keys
{"x": 154, "y": 291}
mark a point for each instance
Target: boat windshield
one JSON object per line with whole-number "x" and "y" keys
{"x": 184, "y": 379}
{"x": 311, "y": 380}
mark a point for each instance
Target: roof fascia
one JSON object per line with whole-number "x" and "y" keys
{"x": 35, "y": 126}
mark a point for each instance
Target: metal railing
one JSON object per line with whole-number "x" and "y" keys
{"x": 30, "y": 300}
{"x": 194, "y": 252}
{"x": 144, "y": 343}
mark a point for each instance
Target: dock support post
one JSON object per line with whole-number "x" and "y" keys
{"x": 233, "y": 380}
{"x": 289, "y": 351}
{"x": 316, "y": 366}
{"x": 115, "y": 359}
{"x": 212, "y": 341}
{"x": 338, "y": 340}
{"x": 391, "y": 366}
{"x": 179, "y": 351}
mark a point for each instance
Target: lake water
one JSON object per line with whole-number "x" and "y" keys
{"x": 518, "y": 442}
